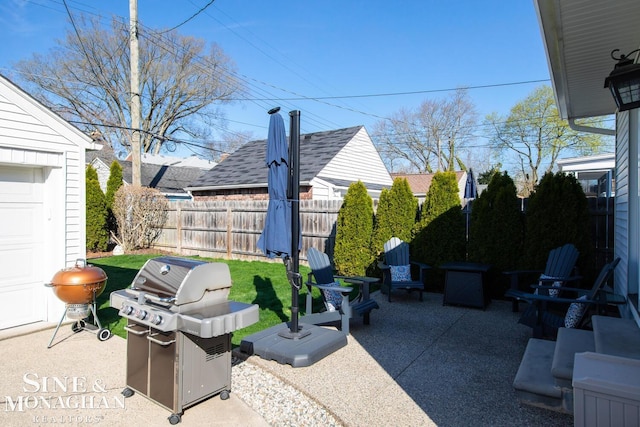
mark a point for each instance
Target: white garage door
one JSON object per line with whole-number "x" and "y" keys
{"x": 22, "y": 294}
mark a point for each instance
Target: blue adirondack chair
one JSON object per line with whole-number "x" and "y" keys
{"x": 397, "y": 271}
{"x": 566, "y": 308}
{"x": 560, "y": 264}
{"x": 336, "y": 297}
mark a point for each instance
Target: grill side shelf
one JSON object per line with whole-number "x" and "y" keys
{"x": 240, "y": 315}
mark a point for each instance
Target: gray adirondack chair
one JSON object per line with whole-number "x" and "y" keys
{"x": 560, "y": 264}
{"x": 569, "y": 308}
{"x": 338, "y": 305}
{"x": 396, "y": 255}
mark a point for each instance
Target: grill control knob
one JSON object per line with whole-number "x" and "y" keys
{"x": 127, "y": 309}
{"x": 142, "y": 314}
{"x": 156, "y": 319}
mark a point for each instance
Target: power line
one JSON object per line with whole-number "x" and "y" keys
{"x": 190, "y": 18}
{"x": 416, "y": 92}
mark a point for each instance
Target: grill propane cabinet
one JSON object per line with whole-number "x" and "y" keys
{"x": 179, "y": 331}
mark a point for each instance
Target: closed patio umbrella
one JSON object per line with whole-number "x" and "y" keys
{"x": 470, "y": 193}
{"x": 275, "y": 239}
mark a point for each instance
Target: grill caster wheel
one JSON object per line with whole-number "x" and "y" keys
{"x": 104, "y": 334}
{"x": 224, "y": 394}
{"x": 78, "y": 326}
{"x": 174, "y": 419}
{"x": 127, "y": 392}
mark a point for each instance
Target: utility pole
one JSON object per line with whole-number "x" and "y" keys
{"x": 135, "y": 93}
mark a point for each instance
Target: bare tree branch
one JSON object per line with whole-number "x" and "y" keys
{"x": 85, "y": 78}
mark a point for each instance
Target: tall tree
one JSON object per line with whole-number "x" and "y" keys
{"x": 535, "y": 134}
{"x": 85, "y": 79}
{"x": 428, "y": 138}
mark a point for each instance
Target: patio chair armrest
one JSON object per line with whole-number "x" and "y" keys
{"x": 342, "y": 289}
{"x": 561, "y": 288}
{"x": 421, "y": 265}
{"x": 357, "y": 280}
{"x": 518, "y": 272}
{"x": 549, "y": 279}
{"x": 383, "y": 266}
{"x": 526, "y": 296}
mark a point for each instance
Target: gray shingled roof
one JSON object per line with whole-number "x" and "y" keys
{"x": 167, "y": 179}
{"x": 246, "y": 166}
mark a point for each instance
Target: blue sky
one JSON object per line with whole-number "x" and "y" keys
{"x": 329, "y": 48}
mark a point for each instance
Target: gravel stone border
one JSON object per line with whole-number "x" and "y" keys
{"x": 279, "y": 403}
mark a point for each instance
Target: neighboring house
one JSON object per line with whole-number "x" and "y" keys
{"x": 595, "y": 173}
{"x": 171, "y": 180}
{"x": 329, "y": 162}
{"x": 420, "y": 183}
{"x": 42, "y": 205}
{"x": 579, "y": 38}
{"x": 160, "y": 159}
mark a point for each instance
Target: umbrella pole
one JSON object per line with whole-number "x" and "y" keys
{"x": 293, "y": 195}
{"x": 293, "y": 190}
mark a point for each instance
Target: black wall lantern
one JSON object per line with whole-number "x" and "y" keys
{"x": 624, "y": 82}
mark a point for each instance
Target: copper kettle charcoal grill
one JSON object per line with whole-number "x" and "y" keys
{"x": 78, "y": 287}
{"x": 179, "y": 325}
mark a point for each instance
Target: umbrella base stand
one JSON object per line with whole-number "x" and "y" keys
{"x": 311, "y": 344}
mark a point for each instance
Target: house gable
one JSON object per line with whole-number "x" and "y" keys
{"x": 36, "y": 122}
{"x": 344, "y": 155}
{"x": 357, "y": 160}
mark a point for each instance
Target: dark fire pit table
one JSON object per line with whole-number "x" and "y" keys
{"x": 464, "y": 284}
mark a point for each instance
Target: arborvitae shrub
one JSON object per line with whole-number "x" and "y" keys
{"x": 440, "y": 232}
{"x": 497, "y": 231}
{"x": 97, "y": 237}
{"x": 352, "y": 251}
{"x": 558, "y": 213}
{"x": 395, "y": 216}
{"x": 113, "y": 184}
{"x": 497, "y": 225}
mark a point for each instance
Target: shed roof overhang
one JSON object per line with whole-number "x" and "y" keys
{"x": 578, "y": 37}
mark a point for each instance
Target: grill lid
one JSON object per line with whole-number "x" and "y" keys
{"x": 80, "y": 274}
{"x": 184, "y": 280}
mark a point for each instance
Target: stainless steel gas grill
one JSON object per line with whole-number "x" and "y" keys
{"x": 179, "y": 331}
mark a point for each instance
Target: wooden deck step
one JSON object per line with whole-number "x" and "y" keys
{"x": 534, "y": 384}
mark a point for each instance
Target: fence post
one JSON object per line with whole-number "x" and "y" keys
{"x": 179, "y": 228}
{"x": 229, "y": 231}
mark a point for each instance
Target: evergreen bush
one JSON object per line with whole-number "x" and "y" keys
{"x": 395, "y": 216}
{"x": 354, "y": 226}
{"x": 497, "y": 231}
{"x": 440, "y": 232}
{"x": 97, "y": 235}
{"x": 113, "y": 184}
{"x": 558, "y": 213}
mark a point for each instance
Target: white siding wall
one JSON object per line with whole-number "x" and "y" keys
{"x": 31, "y": 135}
{"x": 358, "y": 160}
{"x": 622, "y": 201}
{"x": 627, "y": 214}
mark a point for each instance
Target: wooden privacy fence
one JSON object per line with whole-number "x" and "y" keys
{"x": 230, "y": 228}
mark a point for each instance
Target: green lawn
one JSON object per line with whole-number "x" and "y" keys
{"x": 255, "y": 282}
